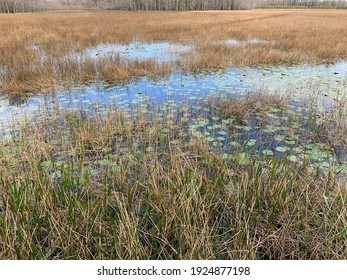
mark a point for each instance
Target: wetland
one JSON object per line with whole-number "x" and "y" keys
{"x": 171, "y": 147}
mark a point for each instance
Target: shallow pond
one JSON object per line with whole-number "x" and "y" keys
{"x": 159, "y": 51}
{"x": 327, "y": 82}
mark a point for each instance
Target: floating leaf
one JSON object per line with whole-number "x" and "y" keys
{"x": 325, "y": 164}
{"x": 243, "y": 158}
{"x": 217, "y": 144}
{"x": 234, "y": 144}
{"x": 267, "y": 152}
{"x": 279, "y": 138}
{"x": 46, "y": 164}
{"x": 293, "y": 158}
{"x": 227, "y": 156}
{"x": 222, "y": 132}
{"x": 298, "y": 150}
{"x": 282, "y": 149}
{"x": 251, "y": 142}
{"x": 228, "y": 121}
{"x": 290, "y": 142}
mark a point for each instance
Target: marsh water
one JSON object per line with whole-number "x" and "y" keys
{"x": 327, "y": 82}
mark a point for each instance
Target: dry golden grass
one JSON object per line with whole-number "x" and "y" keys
{"x": 297, "y": 35}
{"x": 240, "y": 109}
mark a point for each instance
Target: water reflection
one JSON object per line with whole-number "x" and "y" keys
{"x": 329, "y": 80}
{"x": 159, "y": 51}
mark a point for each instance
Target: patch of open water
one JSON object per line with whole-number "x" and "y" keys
{"x": 328, "y": 81}
{"x": 159, "y": 51}
{"x": 244, "y": 43}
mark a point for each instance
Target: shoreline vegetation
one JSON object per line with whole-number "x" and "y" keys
{"x": 34, "y": 59}
{"x": 224, "y": 176}
{"x": 138, "y": 185}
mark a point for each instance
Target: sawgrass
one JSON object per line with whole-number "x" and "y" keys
{"x": 292, "y": 35}
{"x": 132, "y": 185}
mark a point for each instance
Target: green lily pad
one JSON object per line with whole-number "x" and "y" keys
{"x": 243, "y": 158}
{"x": 279, "y": 138}
{"x": 268, "y": 152}
{"x": 293, "y": 158}
{"x": 222, "y": 132}
{"x": 282, "y": 149}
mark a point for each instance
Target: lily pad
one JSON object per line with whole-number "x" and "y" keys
{"x": 282, "y": 149}
{"x": 268, "y": 152}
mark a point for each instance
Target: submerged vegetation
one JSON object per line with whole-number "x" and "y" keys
{"x": 236, "y": 163}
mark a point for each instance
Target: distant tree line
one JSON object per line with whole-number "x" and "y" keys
{"x": 20, "y": 6}
{"x": 165, "y": 5}
{"x": 15, "y": 6}
{"x": 304, "y": 3}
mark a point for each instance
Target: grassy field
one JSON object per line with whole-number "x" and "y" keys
{"x": 295, "y": 35}
{"x": 162, "y": 181}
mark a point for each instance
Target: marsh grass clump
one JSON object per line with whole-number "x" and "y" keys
{"x": 334, "y": 124}
{"x": 141, "y": 185}
{"x": 240, "y": 109}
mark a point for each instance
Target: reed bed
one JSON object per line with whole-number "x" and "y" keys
{"x": 34, "y": 48}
